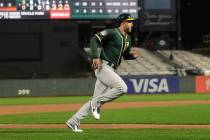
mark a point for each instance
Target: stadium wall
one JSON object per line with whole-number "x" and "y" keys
{"x": 85, "y": 86}
{"x": 46, "y": 87}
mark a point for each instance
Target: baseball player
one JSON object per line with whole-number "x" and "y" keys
{"x": 115, "y": 44}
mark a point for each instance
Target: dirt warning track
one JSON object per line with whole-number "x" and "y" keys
{"x": 26, "y": 109}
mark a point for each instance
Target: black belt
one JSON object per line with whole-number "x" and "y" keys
{"x": 112, "y": 65}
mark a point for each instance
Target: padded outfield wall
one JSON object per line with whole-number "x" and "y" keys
{"x": 85, "y": 86}
{"x": 167, "y": 84}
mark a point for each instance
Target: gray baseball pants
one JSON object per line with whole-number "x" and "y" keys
{"x": 109, "y": 86}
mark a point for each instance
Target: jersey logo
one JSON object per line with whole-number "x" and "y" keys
{"x": 126, "y": 45}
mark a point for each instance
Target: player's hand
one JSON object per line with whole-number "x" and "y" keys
{"x": 135, "y": 52}
{"x": 96, "y": 63}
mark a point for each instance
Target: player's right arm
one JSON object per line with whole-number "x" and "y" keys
{"x": 95, "y": 42}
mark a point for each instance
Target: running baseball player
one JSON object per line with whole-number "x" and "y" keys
{"x": 115, "y": 44}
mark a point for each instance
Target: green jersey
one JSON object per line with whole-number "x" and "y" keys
{"x": 113, "y": 43}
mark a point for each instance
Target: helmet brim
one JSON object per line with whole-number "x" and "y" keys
{"x": 130, "y": 19}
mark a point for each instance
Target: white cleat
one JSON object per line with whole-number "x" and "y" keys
{"x": 95, "y": 111}
{"x": 74, "y": 127}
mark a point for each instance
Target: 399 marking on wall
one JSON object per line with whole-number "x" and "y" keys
{"x": 24, "y": 91}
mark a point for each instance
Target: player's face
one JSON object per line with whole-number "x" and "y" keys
{"x": 129, "y": 26}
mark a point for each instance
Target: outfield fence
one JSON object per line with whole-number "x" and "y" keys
{"x": 85, "y": 86}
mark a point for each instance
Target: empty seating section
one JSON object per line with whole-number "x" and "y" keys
{"x": 148, "y": 64}
{"x": 159, "y": 63}
{"x": 188, "y": 60}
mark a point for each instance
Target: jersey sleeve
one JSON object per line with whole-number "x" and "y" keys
{"x": 96, "y": 41}
{"x": 127, "y": 55}
{"x": 103, "y": 35}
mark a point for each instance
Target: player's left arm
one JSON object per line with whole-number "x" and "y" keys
{"x": 135, "y": 52}
{"x": 131, "y": 53}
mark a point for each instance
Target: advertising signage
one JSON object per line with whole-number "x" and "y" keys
{"x": 152, "y": 85}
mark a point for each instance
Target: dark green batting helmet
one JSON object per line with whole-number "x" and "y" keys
{"x": 125, "y": 17}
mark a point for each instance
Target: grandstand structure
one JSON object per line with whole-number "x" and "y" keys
{"x": 149, "y": 63}
{"x": 191, "y": 62}
{"x": 165, "y": 62}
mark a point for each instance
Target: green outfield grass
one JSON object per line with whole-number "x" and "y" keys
{"x": 81, "y": 99}
{"x": 105, "y": 134}
{"x": 185, "y": 114}
{"x": 190, "y": 114}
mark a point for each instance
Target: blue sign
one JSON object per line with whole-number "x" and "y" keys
{"x": 137, "y": 84}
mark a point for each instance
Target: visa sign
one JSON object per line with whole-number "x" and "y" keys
{"x": 152, "y": 84}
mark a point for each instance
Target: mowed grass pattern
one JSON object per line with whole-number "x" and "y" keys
{"x": 105, "y": 134}
{"x": 190, "y": 114}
